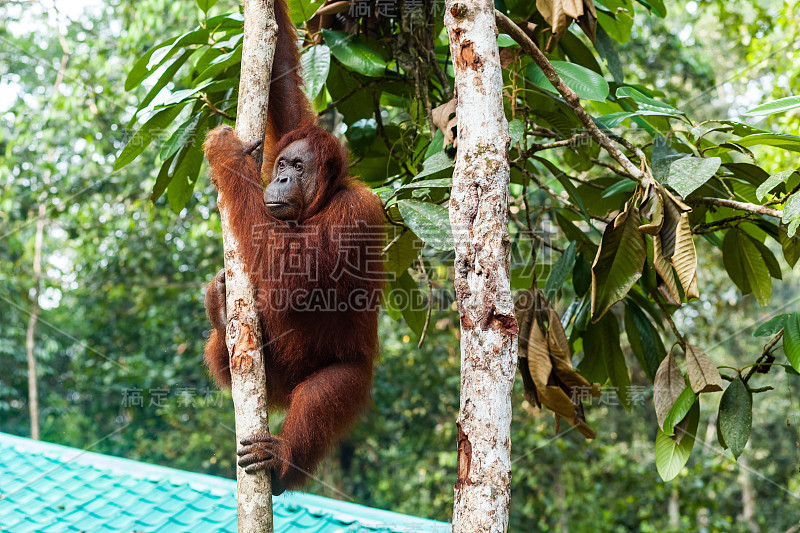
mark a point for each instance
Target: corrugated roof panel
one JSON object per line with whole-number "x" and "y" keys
{"x": 48, "y": 487}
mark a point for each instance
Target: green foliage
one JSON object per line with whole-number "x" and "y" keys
{"x": 735, "y": 417}
{"x": 586, "y": 83}
{"x": 770, "y": 108}
{"x": 673, "y": 453}
{"x": 128, "y": 274}
{"x": 619, "y": 262}
{"x": 791, "y": 339}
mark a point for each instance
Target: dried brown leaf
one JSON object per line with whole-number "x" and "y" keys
{"x": 559, "y": 14}
{"x": 667, "y": 386}
{"x": 549, "y": 378}
{"x": 441, "y": 119}
{"x": 653, "y": 210}
{"x": 703, "y": 373}
{"x": 588, "y": 22}
{"x": 684, "y": 259}
{"x": 668, "y": 285}
{"x": 539, "y": 362}
{"x": 557, "y": 401}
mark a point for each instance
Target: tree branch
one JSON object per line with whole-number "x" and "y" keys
{"x": 214, "y": 109}
{"x": 572, "y": 99}
{"x": 733, "y": 204}
{"x": 763, "y": 357}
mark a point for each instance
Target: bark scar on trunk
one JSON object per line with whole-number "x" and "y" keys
{"x": 507, "y": 322}
{"x": 469, "y": 58}
{"x": 245, "y": 345}
{"x": 464, "y": 458}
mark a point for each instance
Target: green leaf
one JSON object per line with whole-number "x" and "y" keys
{"x": 560, "y": 271}
{"x": 315, "y": 64}
{"x": 436, "y": 145}
{"x": 179, "y": 192}
{"x": 301, "y": 10}
{"x": 181, "y": 186}
{"x": 605, "y": 47}
{"x": 623, "y": 185}
{"x": 612, "y": 120}
{"x": 219, "y": 64}
{"x": 732, "y": 261}
{"x": 139, "y": 70}
{"x": 143, "y": 67}
{"x": 791, "y": 340}
{"x": 565, "y": 182}
{"x": 184, "y": 134}
{"x": 205, "y": 5}
{"x": 746, "y": 266}
{"x": 791, "y": 229}
{"x": 614, "y": 359}
{"x": 603, "y": 358}
{"x": 505, "y": 41}
{"x": 405, "y": 297}
{"x": 402, "y": 252}
{"x": 679, "y": 410}
{"x": 618, "y": 263}
{"x": 144, "y": 135}
{"x": 790, "y": 246}
{"x": 226, "y": 21}
{"x": 735, "y": 416}
{"x": 438, "y": 183}
{"x": 163, "y": 80}
{"x": 516, "y": 129}
{"x": 772, "y": 182}
{"x": 645, "y": 102}
{"x": 791, "y": 210}
{"x": 776, "y": 106}
{"x": 436, "y": 163}
{"x": 619, "y": 24}
{"x": 773, "y": 266}
{"x": 688, "y": 173}
{"x": 162, "y": 181}
{"x": 644, "y": 339}
{"x": 657, "y": 6}
{"x": 779, "y": 140}
{"x": 771, "y": 326}
{"x": 431, "y": 222}
{"x": 581, "y": 274}
{"x": 354, "y": 53}
{"x": 586, "y": 83}
{"x": 671, "y": 456}
{"x": 186, "y": 95}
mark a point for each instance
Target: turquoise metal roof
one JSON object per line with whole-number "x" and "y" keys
{"x": 48, "y": 487}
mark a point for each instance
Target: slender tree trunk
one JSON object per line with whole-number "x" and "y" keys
{"x": 244, "y": 336}
{"x": 33, "y": 319}
{"x": 479, "y": 218}
{"x": 560, "y": 490}
{"x": 749, "y": 495}
{"x": 674, "y": 509}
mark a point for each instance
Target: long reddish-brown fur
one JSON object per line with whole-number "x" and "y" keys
{"x": 318, "y": 360}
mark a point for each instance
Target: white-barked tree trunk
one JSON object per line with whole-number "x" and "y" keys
{"x": 479, "y": 218}
{"x": 243, "y": 335}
